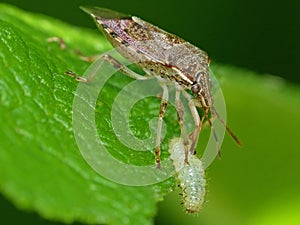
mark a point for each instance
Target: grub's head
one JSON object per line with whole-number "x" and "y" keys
{"x": 201, "y": 86}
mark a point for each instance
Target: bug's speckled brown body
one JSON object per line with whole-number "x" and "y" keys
{"x": 166, "y": 57}
{"x": 158, "y": 52}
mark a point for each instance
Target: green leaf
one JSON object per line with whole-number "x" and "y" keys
{"x": 41, "y": 166}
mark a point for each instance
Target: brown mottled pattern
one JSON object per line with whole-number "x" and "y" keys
{"x": 137, "y": 32}
{"x": 158, "y": 52}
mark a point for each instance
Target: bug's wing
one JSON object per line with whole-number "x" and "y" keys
{"x": 132, "y": 31}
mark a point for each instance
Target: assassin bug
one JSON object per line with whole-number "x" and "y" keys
{"x": 169, "y": 59}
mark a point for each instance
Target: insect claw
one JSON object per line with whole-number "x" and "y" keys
{"x": 75, "y": 76}
{"x": 192, "y": 149}
{"x": 158, "y": 166}
{"x": 70, "y": 73}
{"x": 186, "y": 161}
{"x": 219, "y": 154}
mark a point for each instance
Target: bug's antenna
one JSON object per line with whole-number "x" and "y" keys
{"x": 235, "y": 138}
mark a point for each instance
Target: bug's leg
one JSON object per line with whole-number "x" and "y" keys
{"x": 161, "y": 114}
{"x": 180, "y": 116}
{"x": 115, "y": 63}
{"x": 63, "y": 46}
{"x": 198, "y": 125}
{"x": 86, "y": 58}
{"x": 60, "y": 41}
{"x": 197, "y": 121}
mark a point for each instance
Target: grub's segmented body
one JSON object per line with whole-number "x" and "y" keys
{"x": 191, "y": 178}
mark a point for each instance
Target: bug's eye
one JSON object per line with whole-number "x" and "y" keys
{"x": 200, "y": 75}
{"x": 196, "y": 88}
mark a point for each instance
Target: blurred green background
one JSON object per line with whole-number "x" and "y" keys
{"x": 260, "y": 183}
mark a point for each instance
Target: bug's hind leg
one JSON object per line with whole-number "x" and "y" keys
{"x": 59, "y": 40}
{"x": 63, "y": 46}
{"x": 180, "y": 116}
{"x": 111, "y": 60}
{"x": 116, "y": 64}
{"x": 161, "y": 114}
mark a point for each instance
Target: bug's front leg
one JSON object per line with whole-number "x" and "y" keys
{"x": 215, "y": 134}
{"x": 180, "y": 116}
{"x": 198, "y": 125}
{"x": 161, "y": 114}
{"x": 116, "y": 64}
{"x": 197, "y": 121}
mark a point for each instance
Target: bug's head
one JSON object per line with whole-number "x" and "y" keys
{"x": 202, "y": 88}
